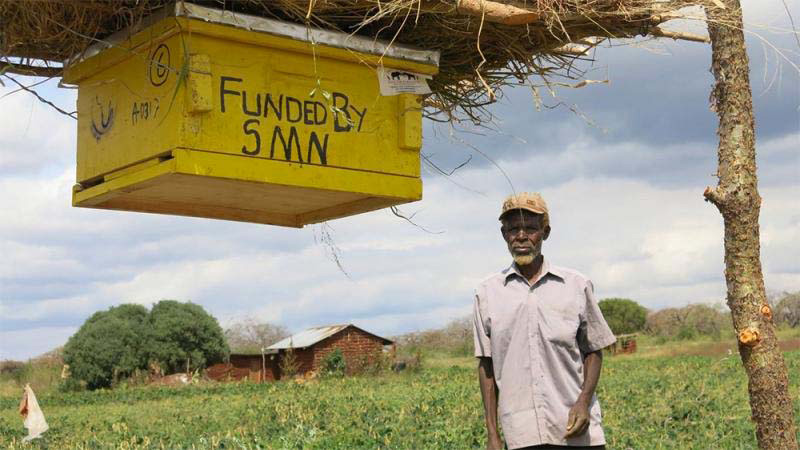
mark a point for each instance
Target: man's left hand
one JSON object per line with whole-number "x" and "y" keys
{"x": 578, "y": 420}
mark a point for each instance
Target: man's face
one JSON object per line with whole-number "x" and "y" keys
{"x": 524, "y": 233}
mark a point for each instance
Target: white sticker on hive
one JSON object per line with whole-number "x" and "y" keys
{"x": 398, "y": 81}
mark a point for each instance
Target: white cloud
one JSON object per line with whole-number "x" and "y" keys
{"x": 52, "y": 307}
{"x": 32, "y": 342}
{"x": 32, "y": 134}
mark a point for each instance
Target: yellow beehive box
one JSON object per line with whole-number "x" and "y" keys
{"x": 208, "y": 113}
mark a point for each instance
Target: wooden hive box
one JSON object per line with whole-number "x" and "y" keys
{"x": 202, "y": 112}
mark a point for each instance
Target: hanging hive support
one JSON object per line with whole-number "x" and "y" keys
{"x": 207, "y": 114}
{"x": 497, "y": 12}
{"x": 736, "y": 196}
{"x": 539, "y": 43}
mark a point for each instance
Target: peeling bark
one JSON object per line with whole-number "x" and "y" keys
{"x": 497, "y": 12}
{"x": 736, "y": 196}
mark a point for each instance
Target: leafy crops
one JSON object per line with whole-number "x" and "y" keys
{"x": 670, "y": 402}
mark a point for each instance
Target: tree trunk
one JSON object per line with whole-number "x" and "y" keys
{"x": 736, "y": 197}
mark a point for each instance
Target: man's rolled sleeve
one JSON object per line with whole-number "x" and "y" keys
{"x": 483, "y": 347}
{"x": 594, "y": 333}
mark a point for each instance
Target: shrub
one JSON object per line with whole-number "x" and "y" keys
{"x": 689, "y": 322}
{"x": 71, "y": 384}
{"x": 12, "y": 368}
{"x": 334, "y": 364}
{"x": 109, "y": 345}
{"x": 686, "y": 333}
{"x": 787, "y": 310}
{"x": 458, "y": 334}
{"x": 381, "y": 362}
{"x": 454, "y": 339}
{"x": 623, "y": 315}
{"x": 184, "y": 337}
{"x": 288, "y": 364}
{"x": 708, "y": 320}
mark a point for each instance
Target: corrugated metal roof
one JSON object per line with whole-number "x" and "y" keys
{"x": 311, "y": 336}
{"x": 308, "y": 337}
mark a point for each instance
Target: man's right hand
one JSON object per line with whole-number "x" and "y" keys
{"x": 494, "y": 443}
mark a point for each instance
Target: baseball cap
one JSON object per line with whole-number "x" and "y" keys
{"x": 530, "y": 201}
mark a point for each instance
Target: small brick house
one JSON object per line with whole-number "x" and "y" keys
{"x": 360, "y": 348}
{"x": 251, "y": 366}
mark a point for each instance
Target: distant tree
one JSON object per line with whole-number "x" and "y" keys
{"x": 666, "y": 323}
{"x": 623, "y": 315}
{"x": 249, "y": 336}
{"x": 455, "y": 338}
{"x": 689, "y": 321}
{"x": 708, "y": 320}
{"x": 109, "y": 345}
{"x": 183, "y": 336}
{"x": 458, "y": 335}
{"x": 787, "y": 310}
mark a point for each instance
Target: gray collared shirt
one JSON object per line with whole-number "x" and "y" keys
{"x": 537, "y": 335}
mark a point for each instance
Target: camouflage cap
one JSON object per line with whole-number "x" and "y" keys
{"x": 530, "y": 201}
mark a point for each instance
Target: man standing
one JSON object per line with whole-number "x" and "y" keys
{"x": 539, "y": 335}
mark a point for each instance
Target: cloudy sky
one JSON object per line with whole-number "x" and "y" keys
{"x": 624, "y": 182}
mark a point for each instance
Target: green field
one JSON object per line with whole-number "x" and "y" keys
{"x": 648, "y": 403}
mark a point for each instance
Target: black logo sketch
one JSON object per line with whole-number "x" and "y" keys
{"x": 105, "y": 121}
{"x": 159, "y": 65}
{"x": 396, "y": 75}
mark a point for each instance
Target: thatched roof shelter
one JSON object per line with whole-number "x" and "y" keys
{"x": 484, "y": 44}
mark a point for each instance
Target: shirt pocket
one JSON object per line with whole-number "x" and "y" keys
{"x": 560, "y": 328}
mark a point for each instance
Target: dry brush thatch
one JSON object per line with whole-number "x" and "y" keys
{"x": 484, "y": 45}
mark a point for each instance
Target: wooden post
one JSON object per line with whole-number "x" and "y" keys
{"x": 263, "y": 366}
{"x": 736, "y": 196}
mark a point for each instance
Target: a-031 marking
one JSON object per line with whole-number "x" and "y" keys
{"x": 144, "y": 110}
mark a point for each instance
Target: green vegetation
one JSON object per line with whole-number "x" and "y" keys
{"x": 681, "y": 390}
{"x": 42, "y": 373}
{"x": 690, "y": 322}
{"x": 334, "y": 364}
{"x": 289, "y": 364}
{"x": 452, "y": 340}
{"x": 681, "y": 402}
{"x": 787, "y": 309}
{"x": 623, "y": 315}
{"x": 115, "y": 344}
{"x": 184, "y": 337}
{"x": 108, "y": 346}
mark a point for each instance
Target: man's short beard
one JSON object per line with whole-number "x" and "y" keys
{"x": 523, "y": 260}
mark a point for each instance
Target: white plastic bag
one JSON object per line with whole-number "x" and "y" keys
{"x": 32, "y": 415}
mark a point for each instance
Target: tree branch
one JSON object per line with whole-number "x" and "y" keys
{"x": 28, "y": 70}
{"x": 397, "y": 213}
{"x": 714, "y": 196}
{"x": 679, "y": 35}
{"x": 72, "y": 114}
{"x": 497, "y": 12}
